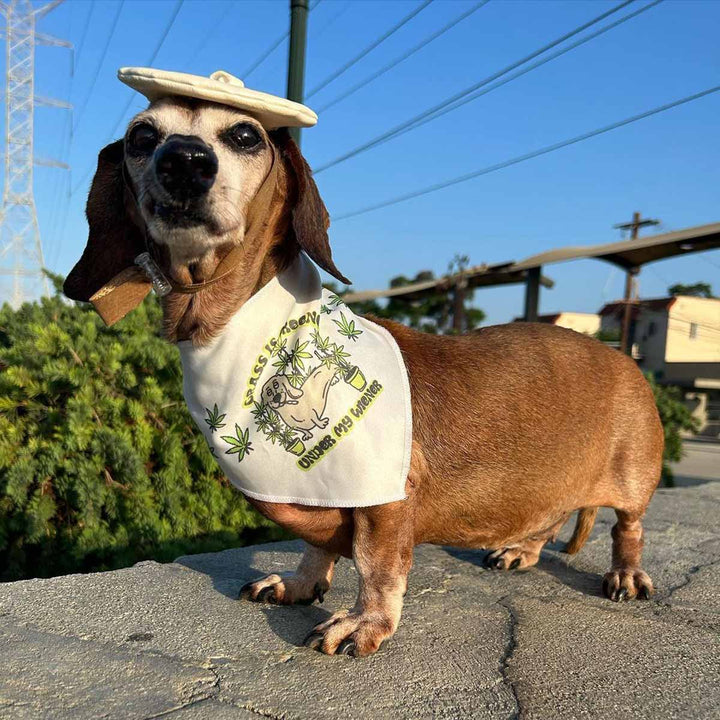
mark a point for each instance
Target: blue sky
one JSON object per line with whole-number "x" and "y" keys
{"x": 667, "y": 166}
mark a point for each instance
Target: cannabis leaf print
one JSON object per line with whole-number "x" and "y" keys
{"x": 214, "y": 419}
{"x": 321, "y": 343}
{"x": 339, "y": 356}
{"x": 240, "y": 443}
{"x": 299, "y": 354}
{"x": 347, "y": 328}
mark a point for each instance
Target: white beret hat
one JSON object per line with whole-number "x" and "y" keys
{"x": 221, "y": 87}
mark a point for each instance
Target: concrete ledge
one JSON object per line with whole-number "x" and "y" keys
{"x": 172, "y": 640}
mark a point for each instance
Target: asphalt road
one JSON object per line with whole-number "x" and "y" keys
{"x": 701, "y": 464}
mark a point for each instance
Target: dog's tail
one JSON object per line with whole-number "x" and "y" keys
{"x": 583, "y": 527}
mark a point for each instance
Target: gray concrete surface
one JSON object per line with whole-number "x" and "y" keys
{"x": 173, "y": 641}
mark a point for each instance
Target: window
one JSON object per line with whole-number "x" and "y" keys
{"x": 693, "y": 331}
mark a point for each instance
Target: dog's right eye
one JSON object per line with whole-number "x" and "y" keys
{"x": 143, "y": 138}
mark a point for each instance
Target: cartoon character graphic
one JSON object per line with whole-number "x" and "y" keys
{"x": 301, "y": 408}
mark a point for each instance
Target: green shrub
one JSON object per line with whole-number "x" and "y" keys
{"x": 100, "y": 462}
{"x": 675, "y": 416}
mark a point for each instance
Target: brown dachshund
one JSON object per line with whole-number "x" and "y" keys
{"x": 515, "y": 427}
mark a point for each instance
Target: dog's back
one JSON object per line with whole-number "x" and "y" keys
{"x": 541, "y": 419}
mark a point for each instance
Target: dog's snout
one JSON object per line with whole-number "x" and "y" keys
{"x": 185, "y": 166}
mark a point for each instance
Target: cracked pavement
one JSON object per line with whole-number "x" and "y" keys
{"x": 157, "y": 641}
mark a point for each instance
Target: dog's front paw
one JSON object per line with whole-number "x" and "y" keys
{"x": 276, "y": 590}
{"x": 349, "y": 633}
{"x": 323, "y": 422}
{"x": 626, "y": 584}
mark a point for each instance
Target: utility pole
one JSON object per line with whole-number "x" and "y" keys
{"x": 296, "y": 56}
{"x": 21, "y": 254}
{"x": 634, "y": 226}
{"x": 459, "y": 304}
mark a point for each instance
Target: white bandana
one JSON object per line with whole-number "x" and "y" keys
{"x": 301, "y": 401}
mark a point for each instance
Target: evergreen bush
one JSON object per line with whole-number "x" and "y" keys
{"x": 101, "y": 464}
{"x": 675, "y": 416}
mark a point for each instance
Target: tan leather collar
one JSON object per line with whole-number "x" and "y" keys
{"x": 128, "y": 288}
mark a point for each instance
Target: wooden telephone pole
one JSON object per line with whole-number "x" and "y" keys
{"x": 634, "y": 227}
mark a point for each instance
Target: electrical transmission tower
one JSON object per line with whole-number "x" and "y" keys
{"x": 21, "y": 253}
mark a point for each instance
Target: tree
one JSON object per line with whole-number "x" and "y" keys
{"x": 432, "y": 312}
{"x": 675, "y": 416}
{"x": 698, "y": 289}
{"x": 100, "y": 462}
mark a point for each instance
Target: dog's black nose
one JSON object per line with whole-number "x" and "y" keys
{"x": 185, "y": 166}
{"x": 277, "y": 398}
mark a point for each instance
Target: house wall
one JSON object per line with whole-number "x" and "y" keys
{"x": 704, "y": 347}
{"x": 651, "y": 329}
{"x": 700, "y": 375}
{"x": 588, "y": 323}
{"x": 610, "y": 323}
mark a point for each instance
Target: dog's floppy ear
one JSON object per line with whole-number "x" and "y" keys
{"x": 292, "y": 392}
{"x": 114, "y": 240}
{"x": 310, "y": 218}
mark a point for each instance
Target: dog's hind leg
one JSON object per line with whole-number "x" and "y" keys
{"x": 519, "y": 557}
{"x": 626, "y": 579}
{"x": 308, "y": 583}
{"x": 382, "y": 552}
{"x": 524, "y": 554}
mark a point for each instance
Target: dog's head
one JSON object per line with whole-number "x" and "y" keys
{"x": 186, "y": 175}
{"x": 278, "y": 391}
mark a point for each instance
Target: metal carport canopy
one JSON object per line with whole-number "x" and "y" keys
{"x": 631, "y": 254}
{"x": 472, "y": 277}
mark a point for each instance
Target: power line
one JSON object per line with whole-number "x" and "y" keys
{"x": 340, "y": 12}
{"x": 96, "y": 74}
{"x": 273, "y": 47}
{"x": 209, "y": 35}
{"x": 156, "y": 51}
{"x": 337, "y": 73}
{"x": 265, "y": 55}
{"x": 404, "y": 56}
{"x": 398, "y": 129}
{"x": 163, "y": 37}
{"x": 524, "y": 71}
{"x": 83, "y": 36}
{"x": 528, "y": 156}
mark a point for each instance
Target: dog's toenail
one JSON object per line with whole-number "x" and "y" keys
{"x": 246, "y": 589}
{"x": 644, "y": 593}
{"x": 514, "y": 563}
{"x": 319, "y": 593}
{"x": 347, "y": 647}
{"x": 313, "y": 641}
{"x": 267, "y": 595}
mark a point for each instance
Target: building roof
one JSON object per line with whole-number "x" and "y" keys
{"x": 630, "y": 254}
{"x": 653, "y": 304}
{"x": 473, "y": 277}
